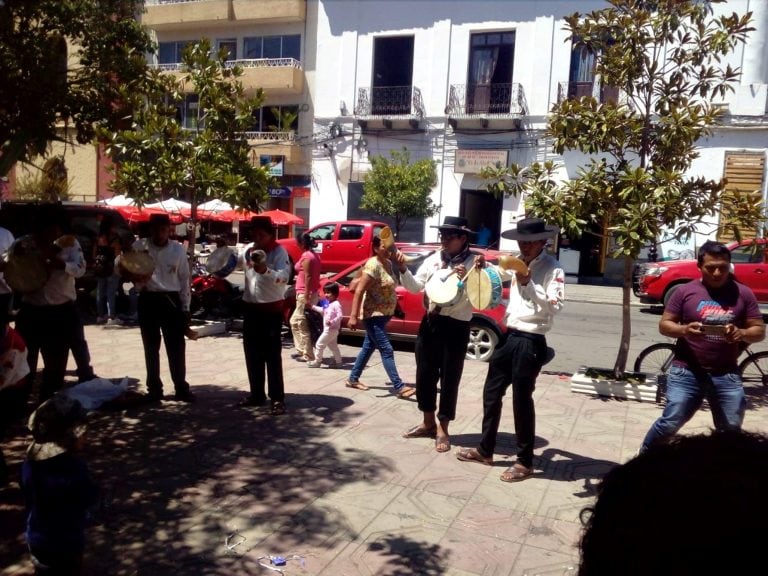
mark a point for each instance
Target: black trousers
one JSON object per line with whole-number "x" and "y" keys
{"x": 80, "y": 352}
{"x": 49, "y": 331}
{"x": 161, "y": 312}
{"x": 263, "y": 348}
{"x": 517, "y": 361}
{"x": 441, "y": 348}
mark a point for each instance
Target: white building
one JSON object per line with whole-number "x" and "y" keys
{"x": 471, "y": 83}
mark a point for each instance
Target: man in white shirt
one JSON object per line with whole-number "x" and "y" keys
{"x": 6, "y": 295}
{"x": 48, "y": 318}
{"x": 534, "y": 298}
{"x": 441, "y": 345}
{"x": 267, "y": 269}
{"x": 164, "y": 307}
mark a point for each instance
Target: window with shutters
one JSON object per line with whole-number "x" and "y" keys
{"x": 744, "y": 173}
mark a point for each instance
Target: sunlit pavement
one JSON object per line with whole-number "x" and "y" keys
{"x": 209, "y": 488}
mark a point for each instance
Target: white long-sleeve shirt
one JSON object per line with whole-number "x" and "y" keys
{"x": 6, "y": 240}
{"x": 532, "y": 307}
{"x": 462, "y": 310}
{"x": 171, "y": 272}
{"x": 269, "y": 286}
{"x": 60, "y": 287}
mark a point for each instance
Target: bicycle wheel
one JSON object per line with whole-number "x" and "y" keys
{"x": 655, "y": 359}
{"x": 754, "y": 369}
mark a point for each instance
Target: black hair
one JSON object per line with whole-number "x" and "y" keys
{"x": 695, "y": 505}
{"x": 306, "y": 241}
{"x": 376, "y": 244}
{"x": 331, "y": 288}
{"x": 714, "y": 249}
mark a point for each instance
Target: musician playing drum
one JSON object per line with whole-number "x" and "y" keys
{"x": 441, "y": 344}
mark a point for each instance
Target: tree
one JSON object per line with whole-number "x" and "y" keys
{"x": 400, "y": 189}
{"x": 41, "y": 91}
{"x": 665, "y": 57}
{"x": 206, "y": 158}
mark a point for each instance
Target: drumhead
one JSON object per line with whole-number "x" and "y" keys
{"x": 444, "y": 287}
{"x": 25, "y": 272}
{"x": 479, "y": 289}
{"x": 509, "y": 262}
{"x": 217, "y": 260}
{"x": 138, "y": 263}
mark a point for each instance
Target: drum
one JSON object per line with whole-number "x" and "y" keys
{"x": 484, "y": 288}
{"x": 25, "y": 269}
{"x": 221, "y": 262}
{"x": 136, "y": 266}
{"x": 444, "y": 287}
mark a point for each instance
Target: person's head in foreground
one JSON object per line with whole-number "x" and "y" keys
{"x": 696, "y": 505}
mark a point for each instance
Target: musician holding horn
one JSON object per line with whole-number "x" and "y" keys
{"x": 49, "y": 301}
{"x": 441, "y": 344}
{"x": 535, "y": 296}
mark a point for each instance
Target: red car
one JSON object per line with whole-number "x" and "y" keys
{"x": 486, "y": 325}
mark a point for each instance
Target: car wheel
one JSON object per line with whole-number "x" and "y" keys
{"x": 482, "y": 341}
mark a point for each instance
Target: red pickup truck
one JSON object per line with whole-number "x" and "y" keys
{"x": 654, "y": 282}
{"x": 339, "y": 244}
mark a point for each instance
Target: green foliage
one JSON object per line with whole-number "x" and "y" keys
{"x": 40, "y": 91}
{"x": 286, "y": 119}
{"x": 159, "y": 157}
{"x": 400, "y": 189}
{"x": 665, "y": 57}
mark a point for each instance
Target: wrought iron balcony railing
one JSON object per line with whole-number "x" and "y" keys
{"x": 388, "y": 101}
{"x": 595, "y": 89}
{"x": 500, "y": 100}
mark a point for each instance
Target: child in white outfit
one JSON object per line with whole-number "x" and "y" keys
{"x": 332, "y": 315}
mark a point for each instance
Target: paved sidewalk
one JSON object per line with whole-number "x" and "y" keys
{"x": 207, "y": 489}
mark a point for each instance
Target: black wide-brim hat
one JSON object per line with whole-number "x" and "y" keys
{"x": 530, "y": 230}
{"x": 456, "y": 223}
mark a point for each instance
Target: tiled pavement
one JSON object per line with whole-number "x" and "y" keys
{"x": 209, "y": 488}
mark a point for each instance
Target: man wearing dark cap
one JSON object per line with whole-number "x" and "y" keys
{"x": 267, "y": 269}
{"x": 164, "y": 307}
{"x": 535, "y": 296}
{"x": 441, "y": 345}
{"x": 52, "y": 302}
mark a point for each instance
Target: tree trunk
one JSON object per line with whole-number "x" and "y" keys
{"x": 626, "y": 320}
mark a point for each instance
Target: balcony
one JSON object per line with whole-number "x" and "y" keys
{"x": 194, "y": 14}
{"x": 603, "y": 94}
{"x": 277, "y": 76}
{"x": 389, "y": 104}
{"x": 487, "y": 104}
{"x": 279, "y": 144}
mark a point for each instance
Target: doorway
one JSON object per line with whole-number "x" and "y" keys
{"x": 481, "y": 207}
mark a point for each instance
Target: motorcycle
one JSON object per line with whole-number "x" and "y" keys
{"x": 213, "y": 296}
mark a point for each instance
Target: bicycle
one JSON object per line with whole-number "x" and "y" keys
{"x": 657, "y": 358}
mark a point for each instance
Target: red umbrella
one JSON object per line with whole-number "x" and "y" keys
{"x": 230, "y": 215}
{"x": 205, "y": 215}
{"x": 134, "y": 214}
{"x": 281, "y": 218}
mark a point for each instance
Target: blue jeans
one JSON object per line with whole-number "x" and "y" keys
{"x": 376, "y": 337}
{"x": 106, "y": 294}
{"x": 685, "y": 393}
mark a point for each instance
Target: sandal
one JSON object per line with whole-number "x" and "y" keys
{"x": 516, "y": 473}
{"x": 406, "y": 392}
{"x": 420, "y": 431}
{"x": 472, "y": 455}
{"x": 442, "y": 444}
{"x": 278, "y": 409}
{"x": 356, "y": 384}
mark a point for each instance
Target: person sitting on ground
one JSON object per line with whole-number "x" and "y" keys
{"x": 694, "y": 506}
{"x": 58, "y": 489}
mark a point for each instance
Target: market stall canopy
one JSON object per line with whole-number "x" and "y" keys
{"x": 170, "y": 205}
{"x": 240, "y": 215}
{"x": 134, "y": 214}
{"x": 281, "y": 218}
{"x": 215, "y": 205}
{"x": 119, "y": 200}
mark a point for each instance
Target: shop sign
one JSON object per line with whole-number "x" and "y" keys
{"x": 273, "y": 162}
{"x": 473, "y": 161}
{"x": 282, "y": 192}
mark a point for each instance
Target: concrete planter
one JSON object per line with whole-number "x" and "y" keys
{"x": 646, "y": 391}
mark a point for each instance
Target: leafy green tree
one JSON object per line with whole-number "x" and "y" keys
{"x": 107, "y": 47}
{"x": 400, "y": 189}
{"x": 665, "y": 57}
{"x": 209, "y": 157}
